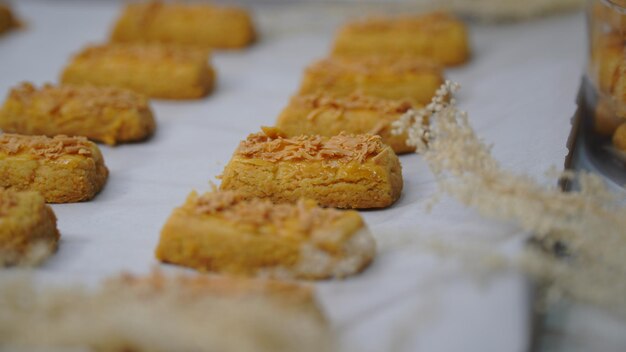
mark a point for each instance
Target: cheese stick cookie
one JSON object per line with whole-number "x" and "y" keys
{"x": 344, "y": 171}
{"x": 103, "y": 114}
{"x": 159, "y": 313}
{"x": 28, "y": 228}
{"x": 201, "y": 25}
{"x": 405, "y": 78}
{"x": 437, "y": 36}
{"x": 223, "y": 231}
{"x": 158, "y": 71}
{"x": 63, "y": 169}
{"x": 327, "y": 116}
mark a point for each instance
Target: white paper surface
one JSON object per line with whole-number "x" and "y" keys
{"x": 519, "y": 90}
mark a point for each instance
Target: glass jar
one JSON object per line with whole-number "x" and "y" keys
{"x": 605, "y": 83}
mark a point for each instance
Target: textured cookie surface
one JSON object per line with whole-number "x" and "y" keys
{"x": 28, "y": 230}
{"x": 104, "y": 114}
{"x": 326, "y": 115}
{"x": 223, "y": 231}
{"x": 402, "y": 78}
{"x": 158, "y": 71}
{"x": 345, "y": 171}
{"x": 201, "y": 25}
{"x": 63, "y": 169}
{"x": 437, "y": 36}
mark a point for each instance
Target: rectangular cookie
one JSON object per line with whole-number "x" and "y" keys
{"x": 438, "y": 36}
{"x": 411, "y": 79}
{"x": 158, "y": 71}
{"x": 327, "y": 116}
{"x": 344, "y": 171}
{"x": 28, "y": 228}
{"x": 103, "y": 114}
{"x": 201, "y": 25}
{"x": 63, "y": 169}
{"x": 226, "y": 232}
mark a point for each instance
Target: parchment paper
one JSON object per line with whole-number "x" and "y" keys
{"x": 519, "y": 90}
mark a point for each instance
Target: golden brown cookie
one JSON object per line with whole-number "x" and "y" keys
{"x": 438, "y": 36}
{"x": 28, "y": 228}
{"x": 225, "y": 232}
{"x": 63, "y": 169}
{"x": 103, "y": 114}
{"x": 344, "y": 171}
{"x": 325, "y": 115}
{"x": 158, "y": 71}
{"x": 415, "y": 80}
{"x": 201, "y": 25}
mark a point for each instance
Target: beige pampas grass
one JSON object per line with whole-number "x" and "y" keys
{"x": 589, "y": 223}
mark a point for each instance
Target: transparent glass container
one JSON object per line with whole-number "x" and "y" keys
{"x": 604, "y": 88}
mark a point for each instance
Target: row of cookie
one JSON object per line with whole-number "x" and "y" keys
{"x": 200, "y": 25}
{"x": 68, "y": 169}
{"x": 228, "y": 231}
{"x": 378, "y": 69}
{"x": 223, "y": 231}
{"x": 126, "y": 117}
{"x": 207, "y": 26}
{"x": 358, "y": 96}
{"x": 264, "y": 219}
{"x": 104, "y": 112}
{"x": 29, "y": 233}
{"x": 220, "y": 231}
{"x": 159, "y": 50}
{"x": 103, "y": 94}
{"x": 162, "y": 49}
{"x": 357, "y": 171}
{"x": 168, "y": 60}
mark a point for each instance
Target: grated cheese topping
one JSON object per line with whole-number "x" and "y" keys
{"x": 95, "y": 98}
{"x": 45, "y": 147}
{"x": 272, "y": 146}
{"x": 234, "y": 207}
{"x": 352, "y": 102}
